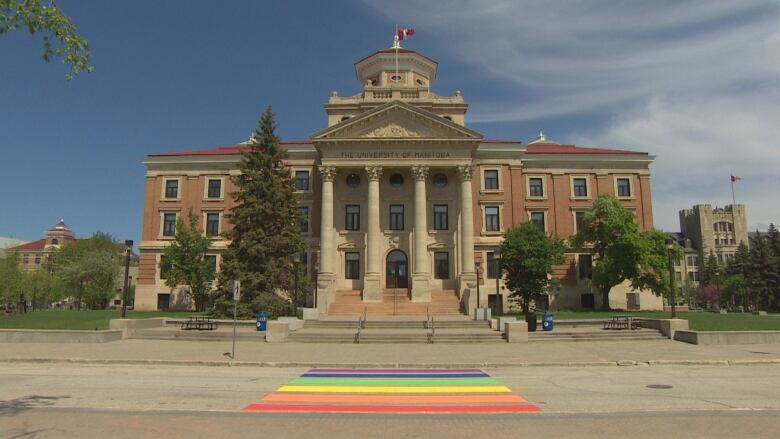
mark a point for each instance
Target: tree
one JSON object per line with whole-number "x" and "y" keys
{"x": 734, "y": 289}
{"x": 46, "y": 17}
{"x": 10, "y": 278}
{"x": 185, "y": 263}
{"x": 710, "y": 270}
{"x": 622, "y": 251}
{"x": 763, "y": 274}
{"x": 88, "y": 269}
{"x": 527, "y": 258}
{"x": 265, "y": 234}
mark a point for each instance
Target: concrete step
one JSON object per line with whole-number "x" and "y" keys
{"x": 197, "y": 335}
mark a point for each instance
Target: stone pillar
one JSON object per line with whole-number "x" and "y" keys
{"x": 372, "y": 285}
{"x": 327, "y": 274}
{"x": 421, "y": 290}
{"x": 468, "y": 277}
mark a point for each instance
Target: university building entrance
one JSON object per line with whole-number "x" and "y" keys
{"x": 397, "y": 270}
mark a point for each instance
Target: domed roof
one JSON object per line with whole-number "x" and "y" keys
{"x": 60, "y": 227}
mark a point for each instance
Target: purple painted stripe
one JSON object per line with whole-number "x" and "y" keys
{"x": 398, "y": 371}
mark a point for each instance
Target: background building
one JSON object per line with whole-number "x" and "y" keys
{"x": 6, "y": 242}
{"x": 402, "y": 202}
{"x": 718, "y": 230}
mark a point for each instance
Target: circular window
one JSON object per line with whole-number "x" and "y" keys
{"x": 396, "y": 180}
{"x": 420, "y": 82}
{"x": 353, "y": 180}
{"x": 395, "y": 78}
{"x": 440, "y": 180}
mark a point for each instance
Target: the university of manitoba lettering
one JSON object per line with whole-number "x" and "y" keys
{"x": 399, "y": 196}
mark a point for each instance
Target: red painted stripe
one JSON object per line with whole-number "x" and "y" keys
{"x": 392, "y": 408}
{"x": 392, "y": 399}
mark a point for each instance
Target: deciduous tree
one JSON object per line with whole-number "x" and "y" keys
{"x": 60, "y": 38}
{"x": 527, "y": 258}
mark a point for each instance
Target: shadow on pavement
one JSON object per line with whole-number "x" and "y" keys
{"x": 12, "y": 407}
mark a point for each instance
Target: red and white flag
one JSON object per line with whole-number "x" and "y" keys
{"x": 735, "y": 178}
{"x": 405, "y": 32}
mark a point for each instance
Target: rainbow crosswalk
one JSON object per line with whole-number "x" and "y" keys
{"x": 394, "y": 391}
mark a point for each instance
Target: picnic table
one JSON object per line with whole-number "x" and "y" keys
{"x": 199, "y": 323}
{"x": 622, "y": 322}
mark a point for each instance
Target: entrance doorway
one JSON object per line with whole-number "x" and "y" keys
{"x": 397, "y": 270}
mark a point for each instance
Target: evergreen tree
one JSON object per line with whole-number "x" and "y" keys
{"x": 185, "y": 261}
{"x": 763, "y": 279}
{"x": 710, "y": 271}
{"x": 265, "y": 234}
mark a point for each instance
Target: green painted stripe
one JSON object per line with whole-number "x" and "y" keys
{"x": 393, "y": 382}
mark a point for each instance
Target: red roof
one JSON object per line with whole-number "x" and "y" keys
{"x": 222, "y": 150}
{"x": 554, "y": 148}
{"x": 30, "y": 246}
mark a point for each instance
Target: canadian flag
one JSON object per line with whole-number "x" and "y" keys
{"x": 405, "y": 32}
{"x": 735, "y": 178}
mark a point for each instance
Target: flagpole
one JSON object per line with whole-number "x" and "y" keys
{"x": 396, "y": 45}
{"x": 733, "y": 198}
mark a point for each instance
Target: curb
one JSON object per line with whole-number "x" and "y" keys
{"x": 280, "y": 364}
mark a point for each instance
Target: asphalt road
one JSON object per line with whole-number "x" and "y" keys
{"x": 93, "y": 401}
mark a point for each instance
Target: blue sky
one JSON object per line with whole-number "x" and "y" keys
{"x": 694, "y": 83}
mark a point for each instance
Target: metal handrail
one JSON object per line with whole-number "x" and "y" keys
{"x": 432, "y": 334}
{"x": 427, "y": 317}
{"x": 359, "y": 327}
{"x": 365, "y": 316}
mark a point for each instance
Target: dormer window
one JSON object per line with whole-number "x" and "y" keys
{"x": 420, "y": 82}
{"x": 345, "y": 118}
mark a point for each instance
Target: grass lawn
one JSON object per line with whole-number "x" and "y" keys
{"x": 88, "y": 320}
{"x": 697, "y": 321}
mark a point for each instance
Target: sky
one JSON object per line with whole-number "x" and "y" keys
{"x": 695, "y": 84}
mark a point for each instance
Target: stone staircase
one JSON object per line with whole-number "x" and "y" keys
{"x": 396, "y": 331}
{"x": 395, "y": 302}
{"x": 595, "y": 334}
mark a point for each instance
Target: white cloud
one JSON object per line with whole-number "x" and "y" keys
{"x": 694, "y": 83}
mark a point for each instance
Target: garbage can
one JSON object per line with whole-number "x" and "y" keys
{"x": 547, "y": 321}
{"x": 262, "y": 320}
{"x": 530, "y": 318}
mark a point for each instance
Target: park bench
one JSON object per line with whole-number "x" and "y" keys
{"x": 622, "y": 322}
{"x": 199, "y": 323}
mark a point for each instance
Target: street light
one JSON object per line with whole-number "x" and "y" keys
{"x": 497, "y": 262}
{"x": 479, "y": 276}
{"x": 296, "y": 264}
{"x": 316, "y": 280}
{"x": 669, "y": 250}
{"x": 129, "y": 245}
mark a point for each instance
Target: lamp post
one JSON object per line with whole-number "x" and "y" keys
{"x": 479, "y": 276}
{"x": 128, "y": 250}
{"x": 316, "y": 280}
{"x": 497, "y": 261}
{"x": 669, "y": 250}
{"x": 296, "y": 264}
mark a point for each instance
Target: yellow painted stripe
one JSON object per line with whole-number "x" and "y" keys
{"x": 399, "y": 389}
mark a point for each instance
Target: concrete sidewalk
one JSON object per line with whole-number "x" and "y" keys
{"x": 254, "y": 353}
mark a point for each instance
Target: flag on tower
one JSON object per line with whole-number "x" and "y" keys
{"x": 735, "y": 178}
{"x": 405, "y": 32}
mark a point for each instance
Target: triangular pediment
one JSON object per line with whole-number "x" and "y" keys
{"x": 396, "y": 120}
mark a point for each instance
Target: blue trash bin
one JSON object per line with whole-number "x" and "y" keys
{"x": 262, "y": 320}
{"x": 547, "y": 321}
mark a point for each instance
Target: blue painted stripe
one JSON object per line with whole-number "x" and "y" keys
{"x": 391, "y": 375}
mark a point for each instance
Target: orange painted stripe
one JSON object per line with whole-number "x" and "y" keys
{"x": 392, "y": 399}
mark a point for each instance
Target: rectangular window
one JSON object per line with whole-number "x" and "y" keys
{"x": 580, "y": 187}
{"x": 440, "y": 217}
{"x": 396, "y": 217}
{"x": 491, "y": 179}
{"x": 441, "y": 267}
{"x": 537, "y": 218}
{"x": 579, "y": 221}
{"x": 352, "y": 220}
{"x": 212, "y": 224}
{"x": 693, "y": 261}
{"x": 535, "y": 187}
{"x": 585, "y": 265}
{"x": 37, "y": 259}
{"x": 492, "y": 266}
{"x": 623, "y": 187}
{"x": 677, "y": 276}
{"x": 169, "y": 224}
{"x": 25, "y": 259}
{"x": 215, "y": 188}
{"x": 212, "y": 260}
{"x": 352, "y": 265}
{"x": 492, "y": 223}
{"x": 171, "y": 188}
{"x": 303, "y": 218}
{"x": 163, "y": 268}
{"x": 304, "y": 263}
{"x": 302, "y": 181}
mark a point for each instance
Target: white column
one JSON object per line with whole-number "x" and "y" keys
{"x": 372, "y": 288}
{"x": 468, "y": 277}
{"x": 327, "y": 274}
{"x": 421, "y": 291}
